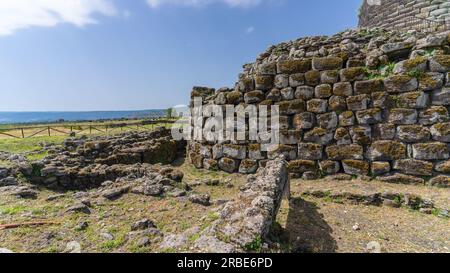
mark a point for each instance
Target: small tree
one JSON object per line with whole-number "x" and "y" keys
{"x": 169, "y": 112}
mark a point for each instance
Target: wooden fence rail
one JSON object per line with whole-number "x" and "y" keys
{"x": 77, "y": 129}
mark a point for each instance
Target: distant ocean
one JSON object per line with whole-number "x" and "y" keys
{"x": 41, "y": 117}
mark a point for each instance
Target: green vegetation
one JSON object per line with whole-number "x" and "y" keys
{"x": 12, "y": 210}
{"x": 255, "y": 245}
{"x": 28, "y": 144}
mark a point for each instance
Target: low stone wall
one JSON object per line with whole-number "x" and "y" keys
{"x": 358, "y": 102}
{"x": 392, "y": 14}
{"x": 245, "y": 222}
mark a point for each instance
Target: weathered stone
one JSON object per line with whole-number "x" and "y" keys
{"x": 440, "y": 63}
{"x": 210, "y": 164}
{"x": 382, "y": 100}
{"x": 267, "y": 69}
{"x": 402, "y": 116}
{"x": 368, "y": 87}
{"x": 323, "y": 91}
{"x": 413, "y": 133}
{"x": 414, "y": 167}
{"x": 400, "y": 84}
{"x": 440, "y": 181}
{"x": 221, "y": 98}
{"x": 228, "y": 165}
{"x": 281, "y": 81}
{"x": 386, "y": 150}
{"x": 287, "y": 93}
{"x": 415, "y": 100}
{"x": 304, "y": 120}
{"x": 274, "y": 95}
{"x": 441, "y": 97}
{"x": 383, "y": 131}
{"x": 340, "y": 152}
{"x": 379, "y": 168}
{"x": 415, "y": 64}
{"x": 402, "y": 179}
{"x": 289, "y": 152}
{"x": 327, "y": 63}
{"x": 361, "y": 135}
{"x": 369, "y": 116}
{"x": 319, "y": 135}
{"x": 301, "y": 166}
{"x": 328, "y": 121}
{"x": 356, "y": 103}
{"x": 254, "y": 97}
{"x": 248, "y": 166}
{"x": 317, "y": 106}
{"x": 234, "y": 97}
{"x": 290, "y": 137}
{"x": 142, "y": 225}
{"x": 355, "y": 167}
{"x": 263, "y": 82}
{"x": 304, "y": 93}
{"x": 329, "y": 76}
{"x": 433, "y": 115}
{"x": 343, "y": 89}
{"x": 431, "y": 81}
{"x": 234, "y": 151}
{"x": 310, "y": 151}
{"x": 397, "y": 48}
{"x": 296, "y": 80}
{"x": 217, "y": 151}
{"x": 329, "y": 167}
{"x": 441, "y": 132}
{"x": 294, "y": 66}
{"x": 430, "y": 151}
{"x": 312, "y": 77}
{"x": 443, "y": 167}
{"x": 82, "y": 208}
{"x": 337, "y": 103}
{"x": 346, "y": 119}
{"x": 246, "y": 85}
{"x": 342, "y": 136}
{"x": 353, "y": 74}
{"x": 201, "y": 199}
{"x": 203, "y": 92}
{"x": 255, "y": 151}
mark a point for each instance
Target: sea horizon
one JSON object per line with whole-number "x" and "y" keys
{"x": 23, "y": 117}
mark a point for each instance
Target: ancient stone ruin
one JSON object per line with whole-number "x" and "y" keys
{"x": 429, "y": 15}
{"x": 361, "y": 102}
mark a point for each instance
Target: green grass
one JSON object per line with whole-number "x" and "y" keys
{"x": 32, "y": 144}
{"x": 12, "y": 210}
{"x": 37, "y": 156}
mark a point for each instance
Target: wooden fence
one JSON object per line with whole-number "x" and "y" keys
{"x": 75, "y": 129}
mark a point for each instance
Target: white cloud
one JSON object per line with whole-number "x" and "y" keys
{"x": 20, "y": 14}
{"x": 197, "y": 3}
{"x": 250, "y": 30}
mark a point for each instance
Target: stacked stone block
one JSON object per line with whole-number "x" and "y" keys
{"x": 339, "y": 118}
{"x": 395, "y": 14}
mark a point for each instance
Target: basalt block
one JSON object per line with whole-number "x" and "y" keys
{"x": 293, "y": 66}
{"x": 417, "y": 100}
{"x": 234, "y": 151}
{"x": 310, "y": 151}
{"x": 343, "y": 89}
{"x": 323, "y": 91}
{"x": 329, "y": 76}
{"x": 329, "y": 167}
{"x": 328, "y": 120}
{"x": 361, "y": 135}
{"x": 414, "y": 167}
{"x": 254, "y": 97}
{"x": 383, "y": 150}
{"x": 346, "y": 118}
{"x": 402, "y": 116}
{"x": 441, "y": 97}
{"x": 304, "y": 120}
{"x": 342, "y": 136}
{"x": 353, "y": 74}
{"x": 281, "y": 81}
{"x": 248, "y": 166}
{"x": 400, "y": 84}
{"x": 301, "y": 166}
{"x": 264, "y": 82}
{"x": 317, "y": 106}
{"x": 441, "y": 181}
{"x": 431, "y": 81}
{"x": 337, "y": 103}
{"x": 430, "y": 151}
{"x": 413, "y": 133}
{"x": 432, "y": 115}
{"x": 228, "y": 165}
{"x": 359, "y": 102}
{"x": 440, "y": 63}
{"x": 340, "y": 152}
{"x": 319, "y": 135}
{"x": 297, "y": 79}
{"x": 312, "y": 78}
{"x": 304, "y": 92}
{"x": 355, "y": 167}
{"x": 441, "y": 132}
{"x": 369, "y": 116}
{"x": 383, "y": 131}
{"x": 327, "y": 63}
{"x": 369, "y": 87}
{"x": 380, "y": 167}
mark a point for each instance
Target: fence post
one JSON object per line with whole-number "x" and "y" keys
{"x": 48, "y": 129}
{"x": 23, "y": 135}
{"x": 90, "y": 129}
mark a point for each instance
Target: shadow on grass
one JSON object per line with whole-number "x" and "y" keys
{"x": 307, "y": 230}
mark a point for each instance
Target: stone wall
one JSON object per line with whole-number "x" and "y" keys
{"x": 392, "y": 14}
{"x": 359, "y": 102}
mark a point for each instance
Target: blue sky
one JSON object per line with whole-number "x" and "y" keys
{"x": 77, "y": 55}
